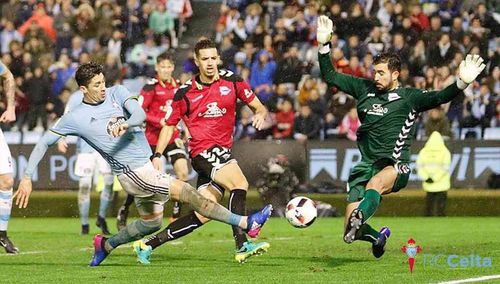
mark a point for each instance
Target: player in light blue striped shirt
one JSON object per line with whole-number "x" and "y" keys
{"x": 89, "y": 163}
{"x": 110, "y": 120}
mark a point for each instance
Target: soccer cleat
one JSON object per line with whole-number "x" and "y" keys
{"x": 249, "y": 249}
{"x": 85, "y": 230}
{"x": 101, "y": 223}
{"x": 143, "y": 252}
{"x": 121, "y": 219}
{"x": 353, "y": 225}
{"x": 8, "y": 245}
{"x": 257, "y": 220}
{"x": 378, "y": 248}
{"x": 100, "y": 252}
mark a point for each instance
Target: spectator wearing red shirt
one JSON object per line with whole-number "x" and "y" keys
{"x": 283, "y": 128}
{"x": 354, "y": 68}
{"x": 418, "y": 19}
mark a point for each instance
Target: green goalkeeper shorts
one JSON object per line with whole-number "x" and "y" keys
{"x": 364, "y": 171}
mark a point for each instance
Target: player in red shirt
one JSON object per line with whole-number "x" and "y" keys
{"x": 207, "y": 105}
{"x": 156, "y": 99}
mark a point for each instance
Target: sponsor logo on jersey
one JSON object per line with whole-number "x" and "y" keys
{"x": 212, "y": 111}
{"x": 393, "y": 97}
{"x": 370, "y": 95}
{"x": 161, "y": 93}
{"x": 113, "y": 123}
{"x": 224, "y": 91}
{"x": 377, "y": 109}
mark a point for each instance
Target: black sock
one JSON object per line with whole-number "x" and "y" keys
{"x": 237, "y": 201}
{"x": 181, "y": 227}
{"x": 367, "y": 233}
{"x": 128, "y": 201}
{"x": 3, "y": 234}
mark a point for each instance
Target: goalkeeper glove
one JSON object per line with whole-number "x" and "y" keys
{"x": 324, "y": 30}
{"x": 469, "y": 69}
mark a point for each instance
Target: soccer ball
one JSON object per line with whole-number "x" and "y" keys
{"x": 301, "y": 212}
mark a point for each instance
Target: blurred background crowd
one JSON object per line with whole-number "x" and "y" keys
{"x": 269, "y": 43}
{"x": 42, "y": 43}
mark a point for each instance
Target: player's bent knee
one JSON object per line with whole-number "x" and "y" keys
{"x": 85, "y": 183}
{"x": 6, "y": 182}
{"x": 375, "y": 183}
{"x": 154, "y": 224}
{"x": 241, "y": 183}
{"x": 181, "y": 175}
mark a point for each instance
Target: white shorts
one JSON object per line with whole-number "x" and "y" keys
{"x": 149, "y": 187}
{"x": 5, "y": 157}
{"x": 88, "y": 163}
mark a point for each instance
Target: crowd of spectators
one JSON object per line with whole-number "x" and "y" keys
{"x": 269, "y": 43}
{"x": 272, "y": 45}
{"x": 42, "y": 43}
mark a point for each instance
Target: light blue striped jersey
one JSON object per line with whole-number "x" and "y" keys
{"x": 74, "y": 100}
{"x": 94, "y": 124}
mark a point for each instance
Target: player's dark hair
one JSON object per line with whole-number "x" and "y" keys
{"x": 165, "y": 56}
{"x": 86, "y": 72}
{"x": 392, "y": 59}
{"x": 203, "y": 44}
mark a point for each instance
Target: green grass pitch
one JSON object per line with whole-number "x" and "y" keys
{"x": 52, "y": 251}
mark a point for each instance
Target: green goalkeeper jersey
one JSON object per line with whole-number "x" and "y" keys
{"x": 387, "y": 117}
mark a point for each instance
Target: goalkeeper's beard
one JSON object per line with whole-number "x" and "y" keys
{"x": 391, "y": 86}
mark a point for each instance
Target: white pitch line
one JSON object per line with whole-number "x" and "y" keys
{"x": 469, "y": 280}
{"x": 26, "y": 252}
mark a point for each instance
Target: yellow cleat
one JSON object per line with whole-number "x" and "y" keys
{"x": 250, "y": 249}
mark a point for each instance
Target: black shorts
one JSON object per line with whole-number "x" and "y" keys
{"x": 174, "y": 151}
{"x": 208, "y": 162}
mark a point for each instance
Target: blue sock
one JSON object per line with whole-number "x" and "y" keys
{"x": 5, "y": 208}
{"x": 134, "y": 231}
{"x": 106, "y": 197}
{"x": 84, "y": 187}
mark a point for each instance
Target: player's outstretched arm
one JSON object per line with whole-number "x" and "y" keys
{"x": 260, "y": 113}
{"x": 468, "y": 71}
{"x": 23, "y": 193}
{"x": 137, "y": 117}
{"x": 165, "y": 135}
{"x": 346, "y": 83}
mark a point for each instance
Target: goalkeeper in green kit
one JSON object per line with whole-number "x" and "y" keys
{"x": 387, "y": 113}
